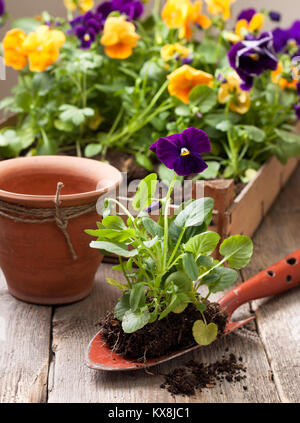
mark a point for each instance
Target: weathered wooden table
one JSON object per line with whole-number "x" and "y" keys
{"x": 42, "y": 349}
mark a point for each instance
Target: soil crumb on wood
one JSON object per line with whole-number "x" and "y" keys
{"x": 195, "y": 376}
{"x": 162, "y": 336}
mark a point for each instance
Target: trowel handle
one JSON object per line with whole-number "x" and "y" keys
{"x": 280, "y": 277}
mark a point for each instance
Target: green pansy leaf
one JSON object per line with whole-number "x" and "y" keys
{"x": 211, "y": 172}
{"x": 182, "y": 110}
{"x": 137, "y": 296}
{"x": 190, "y": 266}
{"x": 254, "y": 133}
{"x": 288, "y": 137}
{"x": 113, "y": 248}
{"x": 145, "y": 192}
{"x": 201, "y": 307}
{"x": 180, "y": 308}
{"x": 181, "y": 280}
{"x": 176, "y": 301}
{"x": 204, "y": 97}
{"x": 205, "y": 261}
{"x": 144, "y": 161}
{"x": 203, "y": 244}
{"x": 133, "y": 321}
{"x": 224, "y": 126}
{"x": 26, "y": 24}
{"x": 237, "y": 250}
{"x": 196, "y": 213}
{"x": 204, "y": 334}
{"x": 225, "y": 278}
{"x": 119, "y": 285}
{"x": 92, "y": 150}
{"x": 114, "y": 222}
{"x": 152, "y": 227}
{"x": 122, "y": 306}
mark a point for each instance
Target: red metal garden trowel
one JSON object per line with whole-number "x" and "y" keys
{"x": 278, "y": 278}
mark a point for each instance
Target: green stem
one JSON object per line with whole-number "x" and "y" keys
{"x": 233, "y": 155}
{"x": 176, "y": 247}
{"x": 166, "y": 225}
{"x": 124, "y": 272}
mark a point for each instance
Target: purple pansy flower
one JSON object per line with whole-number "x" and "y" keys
{"x": 247, "y": 15}
{"x": 187, "y": 60}
{"x": 275, "y": 16}
{"x": 297, "y": 110}
{"x": 157, "y": 205}
{"x": 251, "y": 58}
{"x": 283, "y": 36}
{"x": 182, "y": 152}
{"x": 132, "y": 8}
{"x": 2, "y": 8}
{"x": 86, "y": 28}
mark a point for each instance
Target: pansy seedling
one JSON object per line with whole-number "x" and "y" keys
{"x": 172, "y": 256}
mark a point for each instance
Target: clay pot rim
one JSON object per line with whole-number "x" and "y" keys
{"x": 67, "y": 199}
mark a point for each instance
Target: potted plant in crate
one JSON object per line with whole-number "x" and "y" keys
{"x": 161, "y": 308}
{"x": 108, "y": 83}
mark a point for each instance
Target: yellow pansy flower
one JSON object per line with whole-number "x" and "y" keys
{"x": 243, "y": 27}
{"x": 83, "y": 5}
{"x": 220, "y": 7}
{"x": 119, "y": 37}
{"x": 184, "y": 79}
{"x": 14, "y": 55}
{"x": 230, "y": 91}
{"x": 43, "y": 47}
{"x": 183, "y": 14}
{"x": 167, "y": 52}
{"x": 277, "y": 78}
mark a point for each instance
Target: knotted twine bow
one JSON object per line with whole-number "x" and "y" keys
{"x": 59, "y": 215}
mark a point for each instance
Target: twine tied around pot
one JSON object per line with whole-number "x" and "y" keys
{"x": 59, "y": 215}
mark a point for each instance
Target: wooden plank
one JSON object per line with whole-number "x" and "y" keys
{"x": 278, "y": 318}
{"x": 249, "y": 208}
{"x": 71, "y": 381}
{"x": 24, "y": 349}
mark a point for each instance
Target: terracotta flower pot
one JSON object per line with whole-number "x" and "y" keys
{"x": 48, "y": 260}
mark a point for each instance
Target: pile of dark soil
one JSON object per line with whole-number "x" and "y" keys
{"x": 161, "y": 337}
{"x": 194, "y": 376}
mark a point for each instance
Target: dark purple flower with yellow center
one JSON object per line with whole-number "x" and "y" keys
{"x": 133, "y": 9}
{"x": 183, "y": 152}
{"x": 86, "y": 28}
{"x": 275, "y": 16}
{"x": 252, "y": 57}
{"x": 247, "y": 14}
{"x": 2, "y": 8}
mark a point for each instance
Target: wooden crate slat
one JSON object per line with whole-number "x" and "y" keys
{"x": 250, "y": 207}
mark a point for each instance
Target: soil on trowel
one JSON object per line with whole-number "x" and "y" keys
{"x": 162, "y": 336}
{"x": 195, "y": 376}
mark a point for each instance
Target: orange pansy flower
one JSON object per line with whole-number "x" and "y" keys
{"x": 83, "y": 5}
{"x": 184, "y": 79}
{"x": 243, "y": 26}
{"x": 277, "y": 78}
{"x": 167, "y": 52}
{"x": 14, "y": 55}
{"x": 183, "y": 14}
{"x": 43, "y": 47}
{"x": 119, "y": 37}
{"x": 220, "y": 7}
